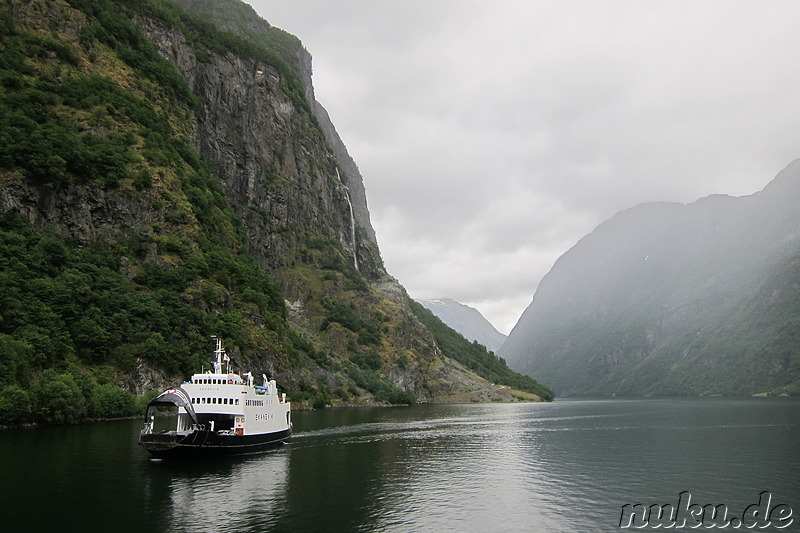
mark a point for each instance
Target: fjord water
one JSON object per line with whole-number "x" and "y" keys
{"x": 566, "y": 466}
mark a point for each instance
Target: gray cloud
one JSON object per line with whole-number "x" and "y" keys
{"x": 493, "y": 136}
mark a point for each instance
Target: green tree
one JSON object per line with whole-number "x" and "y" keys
{"x": 15, "y": 405}
{"x": 58, "y": 399}
{"x": 113, "y": 402}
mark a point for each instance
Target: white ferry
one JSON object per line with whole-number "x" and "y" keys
{"x": 219, "y": 413}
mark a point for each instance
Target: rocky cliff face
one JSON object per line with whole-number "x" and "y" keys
{"x": 673, "y": 299}
{"x": 266, "y": 152}
{"x": 281, "y": 175}
{"x": 286, "y": 172}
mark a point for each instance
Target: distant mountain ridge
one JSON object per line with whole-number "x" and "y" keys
{"x": 466, "y": 320}
{"x": 666, "y": 299}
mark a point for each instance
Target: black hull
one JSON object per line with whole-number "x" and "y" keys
{"x": 171, "y": 445}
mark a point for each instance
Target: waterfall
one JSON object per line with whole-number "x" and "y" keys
{"x": 352, "y": 221}
{"x": 352, "y": 228}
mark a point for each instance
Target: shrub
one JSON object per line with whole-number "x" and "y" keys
{"x": 113, "y": 402}
{"x": 15, "y": 405}
{"x": 58, "y": 399}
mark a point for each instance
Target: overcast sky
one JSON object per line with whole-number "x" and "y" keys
{"x": 492, "y": 136}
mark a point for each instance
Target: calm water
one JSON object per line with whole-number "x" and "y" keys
{"x": 566, "y": 466}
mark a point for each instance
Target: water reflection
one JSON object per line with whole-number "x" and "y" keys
{"x": 239, "y": 493}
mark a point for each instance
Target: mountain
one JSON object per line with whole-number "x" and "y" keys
{"x": 466, "y": 320}
{"x": 163, "y": 179}
{"x": 673, "y": 299}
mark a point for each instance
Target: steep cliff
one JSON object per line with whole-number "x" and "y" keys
{"x": 191, "y": 186}
{"x": 673, "y": 299}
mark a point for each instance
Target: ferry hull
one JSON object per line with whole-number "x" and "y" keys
{"x": 171, "y": 445}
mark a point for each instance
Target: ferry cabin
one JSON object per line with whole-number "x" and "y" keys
{"x": 229, "y": 403}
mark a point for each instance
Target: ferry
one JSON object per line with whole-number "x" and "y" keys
{"x": 219, "y": 412}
